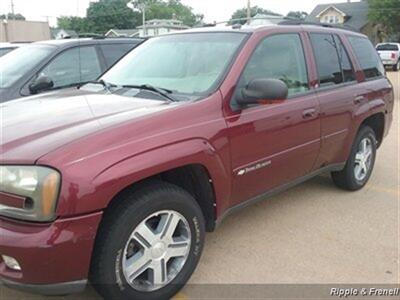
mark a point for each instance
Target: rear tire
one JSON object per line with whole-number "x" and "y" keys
{"x": 397, "y": 67}
{"x": 148, "y": 244}
{"x": 361, "y": 162}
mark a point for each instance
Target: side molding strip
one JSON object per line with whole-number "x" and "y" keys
{"x": 277, "y": 190}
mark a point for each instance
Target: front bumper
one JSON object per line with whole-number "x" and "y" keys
{"x": 55, "y": 289}
{"x": 53, "y": 257}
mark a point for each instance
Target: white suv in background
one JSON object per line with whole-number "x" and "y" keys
{"x": 390, "y": 54}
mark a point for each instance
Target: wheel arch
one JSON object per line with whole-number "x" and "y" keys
{"x": 192, "y": 165}
{"x": 194, "y": 179}
{"x": 377, "y": 123}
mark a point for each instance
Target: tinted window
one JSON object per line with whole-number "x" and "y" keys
{"x": 387, "y": 47}
{"x": 73, "y": 66}
{"x": 367, "y": 57}
{"x": 114, "y": 52}
{"x": 279, "y": 57}
{"x": 347, "y": 69}
{"x": 327, "y": 59}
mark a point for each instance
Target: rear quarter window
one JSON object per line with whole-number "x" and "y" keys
{"x": 367, "y": 57}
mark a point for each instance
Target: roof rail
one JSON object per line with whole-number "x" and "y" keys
{"x": 286, "y": 21}
{"x": 326, "y": 25}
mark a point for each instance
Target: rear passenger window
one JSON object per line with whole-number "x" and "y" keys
{"x": 279, "y": 57}
{"x": 113, "y": 52}
{"x": 367, "y": 57}
{"x": 327, "y": 59}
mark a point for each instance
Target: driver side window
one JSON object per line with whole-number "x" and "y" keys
{"x": 73, "y": 66}
{"x": 279, "y": 57}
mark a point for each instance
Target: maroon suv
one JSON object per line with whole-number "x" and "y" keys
{"x": 117, "y": 182}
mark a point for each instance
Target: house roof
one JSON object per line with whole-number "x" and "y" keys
{"x": 331, "y": 7}
{"x": 356, "y": 13}
{"x": 123, "y": 32}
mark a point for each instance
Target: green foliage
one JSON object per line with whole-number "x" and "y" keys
{"x": 172, "y": 8}
{"x": 11, "y": 16}
{"x": 78, "y": 24}
{"x": 242, "y": 14}
{"x": 301, "y": 15}
{"x": 104, "y": 15}
{"x": 386, "y": 13}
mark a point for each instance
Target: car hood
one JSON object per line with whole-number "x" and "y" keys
{"x": 34, "y": 126}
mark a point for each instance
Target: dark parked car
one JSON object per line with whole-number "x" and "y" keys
{"x": 57, "y": 64}
{"x": 8, "y": 47}
{"x": 118, "y": 181}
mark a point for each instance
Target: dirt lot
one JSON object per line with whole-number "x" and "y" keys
{"x": 312, "y": 234}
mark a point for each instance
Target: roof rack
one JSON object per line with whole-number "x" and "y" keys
{"x": 235, "y": 23}
{"x": 290, "y": 21}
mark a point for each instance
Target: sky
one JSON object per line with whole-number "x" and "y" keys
{"x": 213, "y": 10}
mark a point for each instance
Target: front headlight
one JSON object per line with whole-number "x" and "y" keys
{"x": 35, "y": 187}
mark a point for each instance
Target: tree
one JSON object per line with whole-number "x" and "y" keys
{"x": 106, "y": 14}
{"x": 386, "y": 13}
{"x": 11, "y": 16}
{"x": 103, "y": 15}
{"x": 80, "y": 25}
{"x": 301, "y": 15}
{"x": 240, "y": 15}
{"x": 158, "y": 9}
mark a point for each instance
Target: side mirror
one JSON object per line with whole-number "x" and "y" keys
{"x": 263, "y": 89}
{"x": 40, "y": 84}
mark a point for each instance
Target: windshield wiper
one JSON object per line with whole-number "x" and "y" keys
{"x": 161, "y": 91}
{"x": 106, "y": 85}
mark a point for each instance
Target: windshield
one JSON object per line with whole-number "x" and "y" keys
{"x": 387, "y": 47}
{"x": 184, "y": 63}
{"x": 17, "y": 63}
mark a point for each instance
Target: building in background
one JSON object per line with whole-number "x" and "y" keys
{"x": 114, "y": 33}
{"x": 160, "y": 26}
{"x": 23, "y": 31}
{"x": 59, "y": 34}
{"x": 352, "y": 14}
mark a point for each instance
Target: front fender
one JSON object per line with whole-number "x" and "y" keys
{"x": 125, "y": 173}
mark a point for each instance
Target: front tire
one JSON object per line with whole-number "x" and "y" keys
{"x": 148, "y": 244}
{"x": 361, "y": 162}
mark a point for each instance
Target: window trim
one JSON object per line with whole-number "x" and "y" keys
{"x": 349, "y": 58}
{"x": 232, "y": 102}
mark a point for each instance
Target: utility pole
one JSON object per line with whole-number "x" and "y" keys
{"x": 144, "y": 18}
{"x": 141, "y": 6}
{"x": 248, "y": 12}
{"x": 12, "y": 9}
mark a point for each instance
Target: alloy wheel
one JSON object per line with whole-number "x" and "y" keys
{"x": 156, "y": 251}
{"x": 363, "y": 159}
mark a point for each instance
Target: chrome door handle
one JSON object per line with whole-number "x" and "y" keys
{"x": 309, "y": 113}
{"x": 359, "y": 99}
